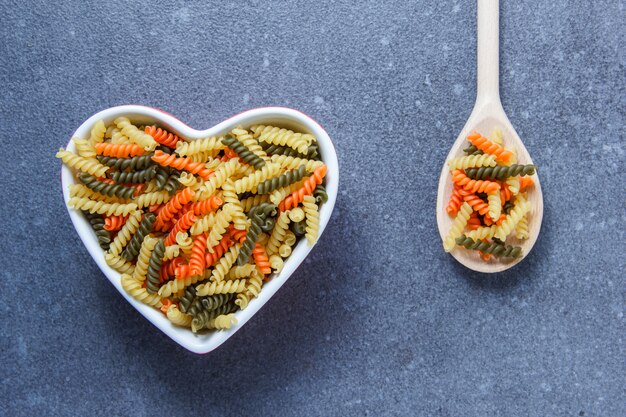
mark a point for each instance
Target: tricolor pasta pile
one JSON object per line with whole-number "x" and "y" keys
{"x": 196, "y": 227}
{"x": 488, "y": 201}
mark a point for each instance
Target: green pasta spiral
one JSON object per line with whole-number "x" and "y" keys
{"x": 283, "y": 180}
{"x": 272, "y": 149}
{"x": 97, "y": 224}
{"x": 172, "y": 184}
{"x": 500, "y": 172}
{"x": 298, "y": 228}
{"x": 184, "y": 303}
{"x": 208, "y": 303}
{"x": 106, "y": 189}
{"x": 244, "y": 153}
{"x": 267, "y": 211}
{"x": 203, "y": 316}
{"x": 494, "y": 248}
{"x": 320, "y": 195}
{"x": 154, "y": 267}
{"x": 472, "y": 150}
{"x": 251, "y": 237}
{"x": 131, "y": 251}
{"x": 122, "y": 164}
{"x": 135, "y": 176}
{"x": 161, "y": 176}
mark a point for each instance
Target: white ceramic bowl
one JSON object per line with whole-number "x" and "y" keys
{"x": 277, "y": 116}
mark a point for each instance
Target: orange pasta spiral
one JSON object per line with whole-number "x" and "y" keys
{"x": 238, "y": 235}
{"x": 162, "y": 136}
{"x": 218, "y": 251}
{"x": 525, "y": 182}
{"x": 307, "y": 189}
{"x": 168, "y": 269}
{"x": 477, "y": 203}
{"x": 187, "y": 164}
{"x": 261, "y": 260}
{"x": 488, "y": 221}
{"x": 505, "y": 193}
{"x": 474, "y": 221}
{"x": 196, "y": 260}
{"x": 118, "y": 150}
{"x": 207, "y": 206}
{"x": 475, "y": 186}
{"x": 167, "y": 212}
{"x": 114, "y": 223}
{"x": 182, "y": 225}
{"x": 456, "y": 199}
{"x": 182, "y": 271}
{"x": 489, "y": 147}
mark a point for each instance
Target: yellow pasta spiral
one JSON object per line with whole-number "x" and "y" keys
{"x": 222, "y": 220}
{"x": 225, "y": 263}
{"x": 222, "y": 322}
{"x": 513, "y": 184}
{"x": 197, "y": 146}
{"x": 296, "y": 214}
{"x": 312, "y": 218}
{"x": 521, "y": 229}
{"x": 458, "y": 225}
{"x": 137, "y": 136}
{"x": 290, "y": 162}
{"x": 283, "y": 137}
{"x": 472, "y": 161}
{"x": 134, "y": 289}
{"x": 125, "y": 234}
{"x": 250, "y": 182}
{"x": 101, "y": 207}
{"x": 229, "y": 195}
{"x": 177, "y": 317}
{"x": 508, "y": 225}
{"x": 203, "y": 224}
{"x": 254, "y": 284}
{"x": 222, "y": 287}
{"x": 242, "y": 300}
{"x": 278, "y": 234}
{"x": 149, "y": 199}
{"x": 178, "y": 285}
{"x": 141, "y": 267}
{"x": 255, "y": 200}
{"x": 495, "y": 205}
{"x": 89, "y": 165}
{"x": 171, "y": 252}
{"x": 97, "y": 133}
{"x": 222, "y": 174}
{"x": 119, "y": 264}
{"x": 82, "y": 191}
{"x": 84, "y": 148}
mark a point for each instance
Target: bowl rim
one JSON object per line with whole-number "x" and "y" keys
{"x": 206, "y": 342}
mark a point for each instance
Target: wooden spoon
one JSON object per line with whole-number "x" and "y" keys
{"x": 487, "y": 115}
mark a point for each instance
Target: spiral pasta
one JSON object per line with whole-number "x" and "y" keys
{"x": 473, "y": 161}
{"x": 487, "y": 146}
{"x": 141, "y": 267}
{"x": 135, "y": 134}
{"x": 177, "y": 317}
{"x": 197, "y": 146}
{"x": 246, "y": 155}
{"x": 489, "y": 181}
{"x": 88, "y": 165}
{"x": 312, "y": 218}
{"x": 194, "y": 226}
{"x": 162, "y": 136}
{"x": 183, "y": 163}
{"x": 135, "y": 290}
{"x": 457, "y": 226}
{"x": 283, "y": 137}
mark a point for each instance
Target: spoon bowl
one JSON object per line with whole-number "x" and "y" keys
{"x": 487, "y": 115}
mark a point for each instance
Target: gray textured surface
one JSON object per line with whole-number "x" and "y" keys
{"x": 378, "y": 321}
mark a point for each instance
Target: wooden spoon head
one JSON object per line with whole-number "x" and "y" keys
{"x": 484, "y": 121}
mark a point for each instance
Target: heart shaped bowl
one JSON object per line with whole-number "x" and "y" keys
{"x": 276, "y": 116}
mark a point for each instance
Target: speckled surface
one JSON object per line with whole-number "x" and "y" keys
{"x": 379, "y": 320}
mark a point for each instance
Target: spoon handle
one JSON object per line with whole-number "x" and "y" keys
{"x": 488, "y": 61}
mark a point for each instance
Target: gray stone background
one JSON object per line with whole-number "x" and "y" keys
{"x": 379, "y": 320}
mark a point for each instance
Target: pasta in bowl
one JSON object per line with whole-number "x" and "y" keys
{"x": 198, "y": 229}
